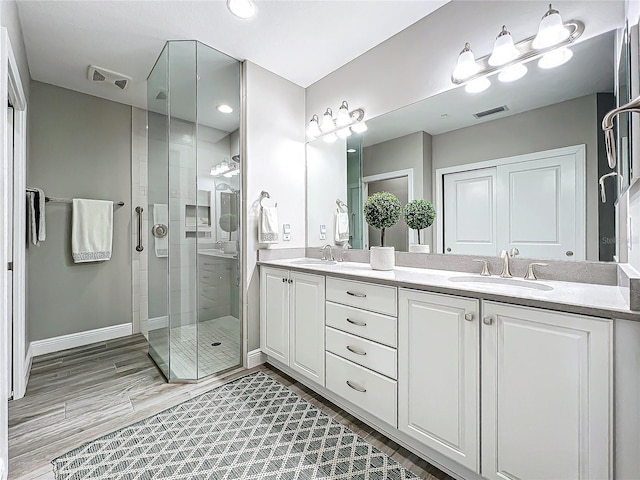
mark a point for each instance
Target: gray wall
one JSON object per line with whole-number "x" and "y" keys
{"x": 572, "y": 122}
{"x": 79, "y": 146}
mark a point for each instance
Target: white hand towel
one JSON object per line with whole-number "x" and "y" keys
{"x": 268, "y": 225}
{"x": 342, "y": 227}
{"x": 33, "y": 218}
{"x": 161, "y": 217}
{"x": 92, "y": 230}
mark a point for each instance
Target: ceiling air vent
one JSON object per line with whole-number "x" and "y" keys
{"x": 103, "y": 75}
{"x": 491, "y": 111}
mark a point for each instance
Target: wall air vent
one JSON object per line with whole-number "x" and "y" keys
{"x": 103, "y": 75}
{"x": 491, "y": 111}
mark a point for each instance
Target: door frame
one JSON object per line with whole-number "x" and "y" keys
{"x": 407, "y": 172}
{"x": 578, "y": 151}
{"x": 11, "y": 87}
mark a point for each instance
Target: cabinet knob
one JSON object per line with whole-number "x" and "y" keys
{"x": 487, "y": 320}
{"x": 468, "y": 317}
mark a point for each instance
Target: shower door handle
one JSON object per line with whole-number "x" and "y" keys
{"x": 139, "y": 211}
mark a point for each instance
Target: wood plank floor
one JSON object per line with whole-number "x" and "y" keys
{"x": 83, "y": 393}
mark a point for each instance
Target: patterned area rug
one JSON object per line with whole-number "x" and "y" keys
{"x": 251, "y": 428}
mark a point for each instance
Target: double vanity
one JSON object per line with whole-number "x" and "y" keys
{"x": 483, "y": 376}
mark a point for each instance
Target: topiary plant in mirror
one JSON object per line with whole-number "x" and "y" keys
{"x": 418, "y": 215}
{"x": 382, "y": 210}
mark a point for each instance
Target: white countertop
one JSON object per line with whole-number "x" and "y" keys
{"x": 582, "y": 298}
{"x": 217, "y": 253}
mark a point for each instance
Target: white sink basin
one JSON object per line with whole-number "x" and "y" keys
{"x": 313, "y": 261}
{"x": 510, "y": 282}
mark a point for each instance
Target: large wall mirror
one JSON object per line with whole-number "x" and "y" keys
{"x": 515, "y": 166}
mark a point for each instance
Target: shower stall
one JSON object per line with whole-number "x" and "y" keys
{"x": 194, "y": 178}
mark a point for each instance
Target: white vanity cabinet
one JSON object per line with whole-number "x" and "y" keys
{"x": 439, "y": 373}
{"x": 546, "y": 394}
{"x": 292, "y": 320}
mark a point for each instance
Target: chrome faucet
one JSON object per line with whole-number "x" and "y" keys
{"x": 342, "y": 251}
{"x": 504, "y": 254}
{"x": 324, "y": 252}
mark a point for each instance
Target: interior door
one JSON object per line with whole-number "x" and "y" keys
{"x": 538, "y": 208}
{"x": 470, "y": 212}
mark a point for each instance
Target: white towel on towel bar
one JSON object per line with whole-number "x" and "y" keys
{"x": 92, "y": 230}
{"x": 342, "y": 227}
{"x": 161, "y": 217}
{"x": 36, "y": 212}
{"x": 268, "y": 225}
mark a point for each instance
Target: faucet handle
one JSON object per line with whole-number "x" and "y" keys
{"x": 513, "y": 252}
{"x": 485, "y": 268}
{"x": 531, "y": 274}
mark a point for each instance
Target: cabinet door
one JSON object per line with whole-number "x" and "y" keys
{"x": 307, "y": 325}
{"x": 274, "y": 313}
{"x": 438, "y": 375}
{"x": 546, "y": 389}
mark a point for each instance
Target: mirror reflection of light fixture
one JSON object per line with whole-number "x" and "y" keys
{"x": 512, "y": 73}
{"x": 225, "y": 168}
{"x": 478, "y": 85}
{"x": 555, "y": 58}
{"x": 466, "y": 65}
{"x": 504, "y": 51}
{"x": 242, "y": 8}
{"x": 507, "y": 59}
{"x": 551, "y": 30}
{"x": 330, "y": 129}
{"x": 224, "y": 108}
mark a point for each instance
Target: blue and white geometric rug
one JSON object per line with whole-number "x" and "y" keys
{"x": 251, "y": 428}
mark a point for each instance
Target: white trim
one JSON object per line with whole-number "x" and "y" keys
{"x": 64, "y": 342}
{"x": 256, "y": 357}
{"x": 27, "y": 366}
{"x": 157, "y": 323}
{"x": 407, "y": 172}
{"x": 579, "y": 151}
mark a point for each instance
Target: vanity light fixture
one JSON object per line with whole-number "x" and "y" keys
{"x": 504, "y": 51}
{"x": 507, "y": 59}
{"x": 551, "y": 30}
{"x": 225, "y": 169}
{"x": 242, "y": 8}
{"x": 330, "y": 129}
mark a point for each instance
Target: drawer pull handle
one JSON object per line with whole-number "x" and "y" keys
{"x": 356, "y": 387}
{"x": 356, "y": 294}
{"x": 353, "y": 350}
{"x": 360, "y": 324}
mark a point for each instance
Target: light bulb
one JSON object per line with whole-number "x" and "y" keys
{"x": 224, "y": 108}
{"x": 330, "y": 138}
{"x": 551, "y": 31}
{"x": 326, "y": 125}
{"x": 504, "y": 51}
{"x": 478, "y": 85}
{"x": 555, "y": 58}
{"x": 512, "y": 73}
{"x": 343, "y": 119}
{"x": 242, "y": 8}
{"x": 359, "y": 127}
{"x": 466, "y": 66}
{"x": 313, "y": 129}
{"x": 344, "y": 132}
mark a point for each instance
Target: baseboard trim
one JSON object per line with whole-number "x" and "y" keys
{"x": 27, "y": 366}
{"x": 255, "y": 358}
{"x": 64, "y": 342}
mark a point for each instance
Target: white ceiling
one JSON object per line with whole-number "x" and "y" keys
{"x": 301, "y": 40}
{"x": 591, "y": 70}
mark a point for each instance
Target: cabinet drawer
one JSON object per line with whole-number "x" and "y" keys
{"x": 379, "y": 328}
{"x": 377, "y": 298}
{"x": 368, "y": 390}
{"x": 369, "y": 354}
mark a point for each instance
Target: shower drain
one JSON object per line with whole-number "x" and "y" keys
{"x": 216, "y": 344}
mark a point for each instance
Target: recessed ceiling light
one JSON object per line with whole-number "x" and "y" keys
{"x": 351, "y": 150}
{"x": 224, "y": 108}
{"x": 242, "y": 8}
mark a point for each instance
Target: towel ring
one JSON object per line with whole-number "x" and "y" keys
{"x": 264, "y": 195}
{"x": 342, "y": 205}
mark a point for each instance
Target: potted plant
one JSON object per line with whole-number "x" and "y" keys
{"x": 382, "y": 210}
{"x": 229, "y": 223}
{"x": 419, "y": 214}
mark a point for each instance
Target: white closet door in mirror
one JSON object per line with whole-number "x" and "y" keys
{"x": 541, "y": 206}
{"x": 470, "y": 212}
